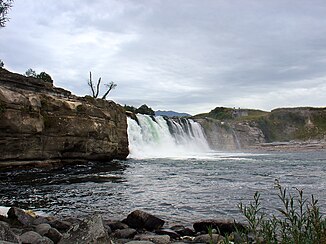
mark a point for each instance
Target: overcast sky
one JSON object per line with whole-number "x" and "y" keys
{"x": 183, "y": 55}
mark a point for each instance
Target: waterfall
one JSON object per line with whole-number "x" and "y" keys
{"x": 158, "y": 137}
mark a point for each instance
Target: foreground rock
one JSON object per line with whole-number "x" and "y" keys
{"x": 214, "y": 238}
{"x": 138, "y": 228}
{"x": 157, "y": 239}
{"x": 20, "y": 216}
{"x": 32, "y": 237}
{"x": 142, "y": 220}
{"x": 43, "y": 125}
{"x": 224, "y": 226}
{"x": 6, "y": 234}
{"x": 91, "y": 230}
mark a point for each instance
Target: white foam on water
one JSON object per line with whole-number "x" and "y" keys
{"x": 4, "y": 210}
{"x": 166, "y": 138}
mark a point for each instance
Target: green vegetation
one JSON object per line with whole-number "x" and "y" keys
{"x": 43, "y": 76}
{"x": 222, "y": 113}
{"x": 81, "y": 109}
{"x": 143, "y": 109}
{"x": 130, "y": 108}
{"x": 294, "y": 124}
{"x": 5, "y": 5}
{"x": 284, "y": 124}
{"x": 2, "y": 64}
{"x": 252, "y": 115}
{"x": 30, "y": 73}
{"x": 299, "y": 220}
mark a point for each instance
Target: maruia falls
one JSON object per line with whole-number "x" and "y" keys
{"x": 160, "y": 137}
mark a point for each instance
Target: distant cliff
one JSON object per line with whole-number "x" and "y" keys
{"x": 229, "y": 129}
{"x": 42, "y": 124}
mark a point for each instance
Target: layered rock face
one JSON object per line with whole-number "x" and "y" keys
{"x": 283, "y": 126}
{"x": 231, "y": 135}
{"x": 39, "y": 122}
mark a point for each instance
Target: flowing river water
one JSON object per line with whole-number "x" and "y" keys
{"x": 180, "y": 188}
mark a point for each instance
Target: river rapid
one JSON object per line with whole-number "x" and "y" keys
{"x": 178, "y": 189}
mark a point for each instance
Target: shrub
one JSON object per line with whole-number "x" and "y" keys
{"x": 45, "y": 77}
{"x": 300, "y": 220}
{"x": 144, "y": 109}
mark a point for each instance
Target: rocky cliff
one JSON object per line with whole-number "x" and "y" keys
{"x": 42, "y": 124}
{"x": 229, "y": 129}
{"x": 226, "y": 135}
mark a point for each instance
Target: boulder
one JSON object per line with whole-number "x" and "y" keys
{"x": 42, "y": 220}
{"x": 54, "y": 235}
{"x": 32, "y": 237}
{"x": 124, "y": 233}
{"x": 224, "y": 226}
{"x": 169, "y": 232}
{"x": 141, "y": 220}
{"x": 48, "y": 231}
{"x": 6, "y": 234}
{"x": 42, "y": 229}
{"x": 118, "y": 225}
{"x": 61, "y": 225}
{"x": 215, "y": 238}
{"x": 20, "y": 216}
{"x": 183, "y": 231}
{"x": 139, "y": 242}
{"x": 157, "y": 239}
{"x": 90, "y": 230}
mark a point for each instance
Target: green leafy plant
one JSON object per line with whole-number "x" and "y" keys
{"x": 45, "y": 77}
{"x": 210, "y": 233}
{"x": 30, "y": 73}
{"x": 299, "y": 220}
{"x": 5, "y": 5}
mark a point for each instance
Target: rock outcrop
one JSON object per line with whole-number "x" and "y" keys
{"x": 252, "y": 129}
{"x": 41, "y": 124}
{"x": 226, "y": 135}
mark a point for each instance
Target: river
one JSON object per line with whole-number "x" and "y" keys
{"x": 178, "y": 189}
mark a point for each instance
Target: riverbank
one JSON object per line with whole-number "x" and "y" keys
{"x": 291, "y": 146}
{"x": 19, "y": 226}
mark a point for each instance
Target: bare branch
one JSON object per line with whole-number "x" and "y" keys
{"x": 98, "y": 87}
{"x": 91, "y": 85}
{"x": 110, "y": 86}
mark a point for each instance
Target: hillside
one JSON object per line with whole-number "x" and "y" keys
{"x": 171, "y": 114}
{"x": 279, "y": 125}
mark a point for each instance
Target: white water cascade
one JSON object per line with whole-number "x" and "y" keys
{"x": 158, "y": 137}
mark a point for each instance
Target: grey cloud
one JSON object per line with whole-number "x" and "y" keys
{"x": 186, "y": 55}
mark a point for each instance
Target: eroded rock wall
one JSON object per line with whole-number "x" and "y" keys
{"x": 39, "y": 122}
{"x": 231, "y": 135}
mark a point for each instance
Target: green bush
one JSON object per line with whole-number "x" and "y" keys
{"x": 300, "y": 220}
{"x": 45, "y": 77}
{"x": 144, "y": 109}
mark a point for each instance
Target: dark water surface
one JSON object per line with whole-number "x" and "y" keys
{"x": 178, "y": 190}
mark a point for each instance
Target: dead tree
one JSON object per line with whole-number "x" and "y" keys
{"x": 96, "y": 89}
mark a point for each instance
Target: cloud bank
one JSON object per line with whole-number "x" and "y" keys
{"x": 187, "y": 55}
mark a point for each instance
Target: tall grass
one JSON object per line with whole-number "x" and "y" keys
{"x": 299, "y": 220}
